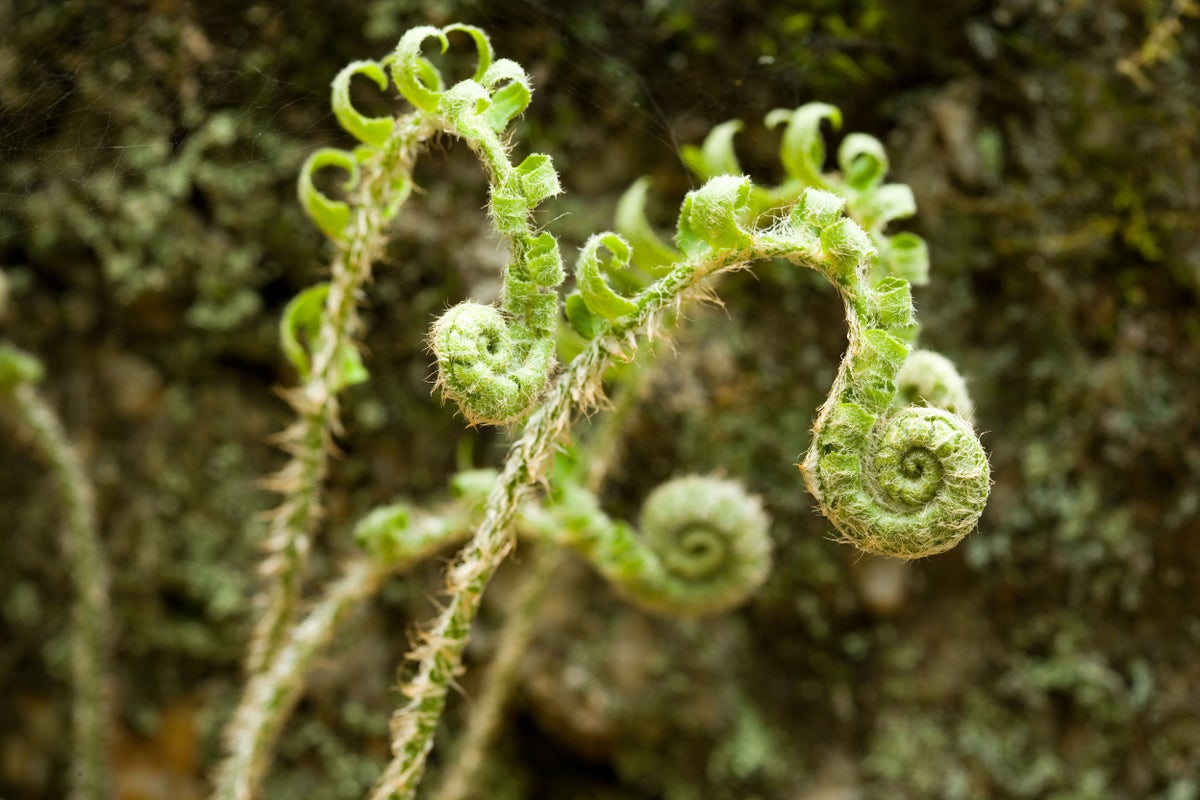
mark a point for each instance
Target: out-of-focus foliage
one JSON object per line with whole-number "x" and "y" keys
{"x": 151, "y": 240}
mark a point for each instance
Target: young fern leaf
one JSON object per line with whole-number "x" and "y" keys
{"x": 650, "y": 252}
{"x": 710, "y": 217}
{"x": 716, "y": 156}
{"x": 863, "y": 164}
{"x": 599, "y": 297}
{"x": 703, "y": 545}
{"x": 494, "y": 362}
{"x": 299, "y": 327}
{"x": 898, "y": 480}
{"x": 373, "y": 131}
{"x": 907, "y": 482}
{"x": 331, "y": 216}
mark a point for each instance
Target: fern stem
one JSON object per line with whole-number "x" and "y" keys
{"x": 91, "y": 706}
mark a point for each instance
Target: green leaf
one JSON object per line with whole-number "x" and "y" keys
{"x": 371, "y": 130}
{"x": 302, "y": 317}
{"x": 802, "y": 150}
{"x": 380, "y": 533}
{"x": 580, "y": 317}
{"x": 298, "y": 330}
{"x": 863, "y": 161}
{"x": 818, "y": 209}
{"x": 889, "y": 202}
{"x": 710, "y": 216}
{"x": 716, "y": 156}
{"x": 544, "y": 262}
{"x": 511, "y": 98}
{"x": 846, "y": 245}
{"x": 417, "y": 78}
{"x": 589, "y": 277}
{"x": 894, "y": 306}
{"x": 331, "y": 216}
{"x": 538, "y": 178}
{"x": 650, "y": 252}
{"x": 908, "y": 258}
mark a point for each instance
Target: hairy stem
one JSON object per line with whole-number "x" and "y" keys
{"x": 575, "y": 390}
{"x": 462, "y": 779}
{"x": 91, "y": 704}
{"x": 309, "y": 439}
{"x": 272, "y": 692}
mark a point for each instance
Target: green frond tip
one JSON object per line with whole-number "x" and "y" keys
{"x": 716, "y": 156}
{"x": 510, "y": 90}
{"x": 543, "y": 262}
{"x": 580, "y": 317}
{"x": 370, "y": 130}
{"x": 703, "y": 544}
{"x": 538, "y": 178}
{"x": 589, "y": 275}
{"x": 863, "y": 161}
{"x": 493, "y": 375}
{"x": 886, "y": 203}
{"x": 18, "y": 367}
{"x": 417, "y": 78}
{"x": 918, "y": 488}
{"x": 298, "y": 330}
{"x": 711, "y": 216}
{"x": 331, "y": 216}
{"x": 712, "y": 540}
{"x": 802, "y": 150}
{"x": 818, "y": 209}
{"x": 381, "y": 533}
{"x": 846, "y": 246}
{"x": 906, "y": 256}
{"x": 650, "y": 252}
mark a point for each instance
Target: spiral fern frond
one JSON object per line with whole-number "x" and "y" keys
{"x": 494, "y": 362}
{"x": 907, "y": 482}
{"x": 702, "y": 545}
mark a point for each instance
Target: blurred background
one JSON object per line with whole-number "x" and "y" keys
{"x": 150, "y": 237}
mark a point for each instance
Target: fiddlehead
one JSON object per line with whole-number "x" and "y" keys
{"x": 712, "y": 541}
{"x": 895, "y": 480}
{"x": 703, "y": 545}
{"x": 906, "y": 483}
{"x": 493, "y": 361}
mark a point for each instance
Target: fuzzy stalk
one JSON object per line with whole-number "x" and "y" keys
{"x": 272, "y": 692}
{"x": 461, "y": 781}
{"x": 91, "y": 706}
{"x": 310, "y": 439}
{"x": 576, "y": 390}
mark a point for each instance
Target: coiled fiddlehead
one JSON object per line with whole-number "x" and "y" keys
{"x": 494, "y": 362}
{"x": 906, "y": 483}
{"x": 702, "y": 545}
{"x": 897, "y": 480}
